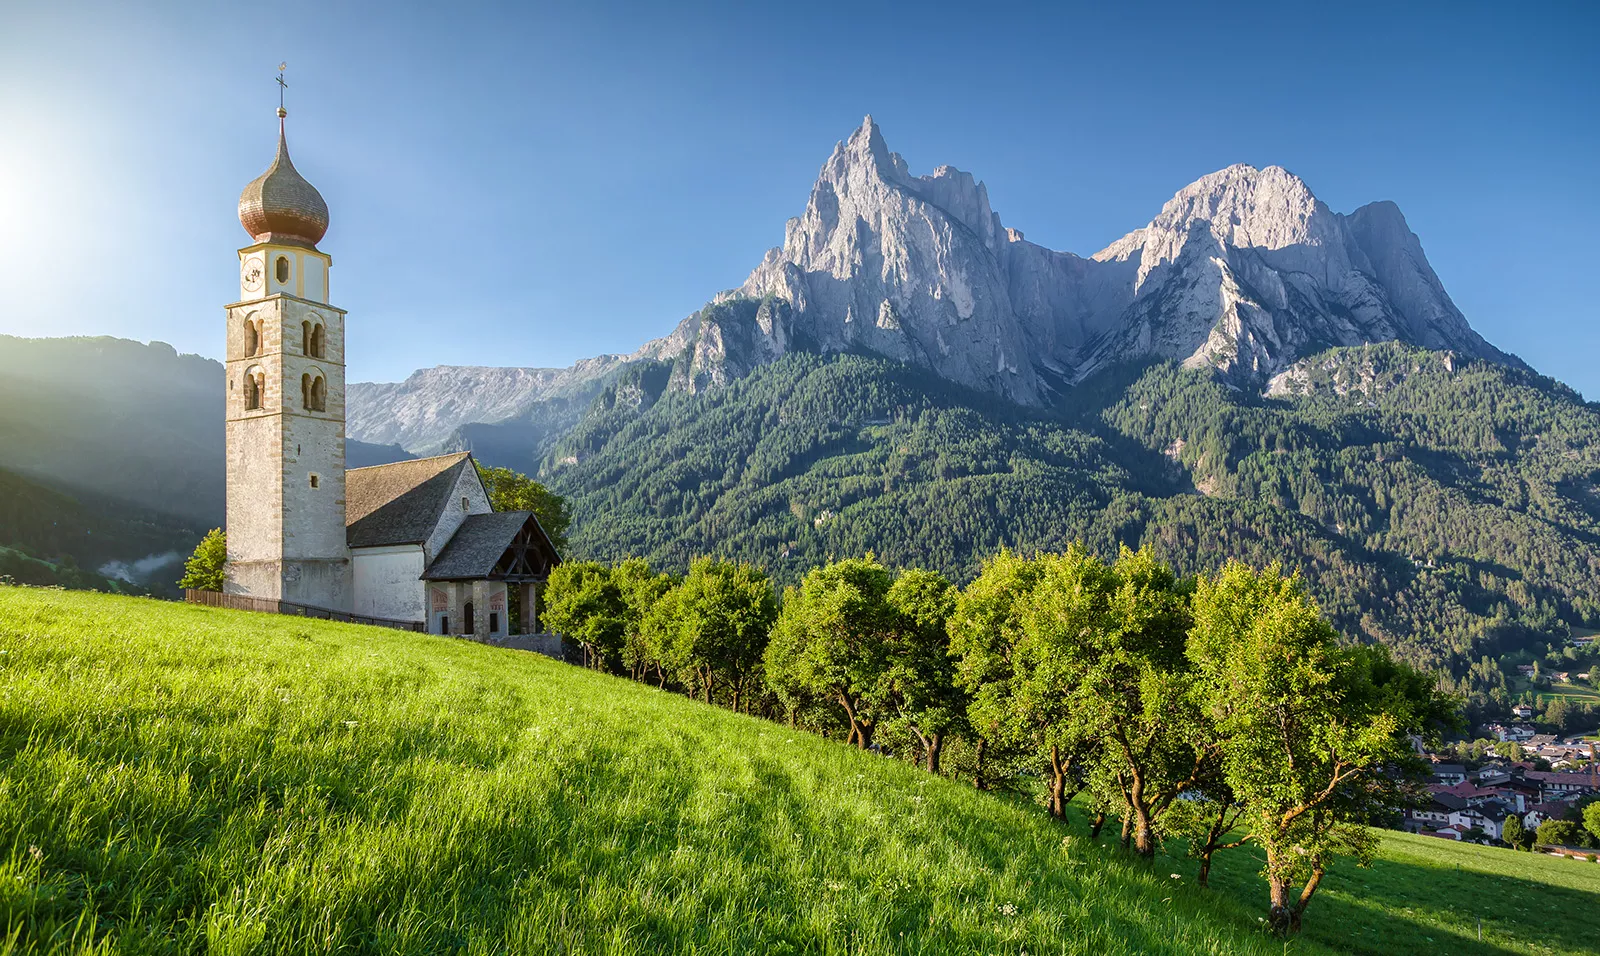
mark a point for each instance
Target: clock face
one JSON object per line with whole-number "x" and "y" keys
{"x": 251, "y": 274}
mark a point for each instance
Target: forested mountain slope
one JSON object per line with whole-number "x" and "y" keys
{"x": 1444, "y": 506}
{"x": 49, "y": 537}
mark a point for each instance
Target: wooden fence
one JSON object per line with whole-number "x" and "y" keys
{"x": 244, "y": 602}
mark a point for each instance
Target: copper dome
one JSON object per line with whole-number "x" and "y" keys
{"x": 280, "y": 206}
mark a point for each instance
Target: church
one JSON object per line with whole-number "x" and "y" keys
{"x": 414, "y": 543}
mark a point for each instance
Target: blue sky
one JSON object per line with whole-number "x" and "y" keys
{"x": 531, "y": 184}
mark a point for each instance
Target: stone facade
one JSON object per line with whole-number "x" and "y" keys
{"x": 286, "y": 435}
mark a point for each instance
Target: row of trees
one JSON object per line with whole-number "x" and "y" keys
{"x": 1221, "y": 708}
{"x": 1579, "y": 828}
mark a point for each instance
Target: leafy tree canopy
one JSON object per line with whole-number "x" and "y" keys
{"x": 205, "y": 569}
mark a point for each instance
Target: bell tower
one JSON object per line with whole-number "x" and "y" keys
{"x": 285, "y": 400}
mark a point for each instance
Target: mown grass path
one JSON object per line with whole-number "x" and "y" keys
{"x": 186, "y": 779}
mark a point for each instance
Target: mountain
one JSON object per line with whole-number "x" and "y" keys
{"x": 1244, "y": 271}
{"x": 118, "y": 419}
{"x": 127, "y": 425}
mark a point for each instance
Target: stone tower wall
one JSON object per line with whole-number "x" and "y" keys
{"x": 286, "y": 536}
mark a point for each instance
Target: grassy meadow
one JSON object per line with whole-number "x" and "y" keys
{"x": 185, "y": 779}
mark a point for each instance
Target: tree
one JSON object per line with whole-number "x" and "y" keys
{"x": 641, "y": 589}
{"x": 720, "y": 617}
{"x": 583, "y": 603}
{"x": 1314, "y": 736}
{"x": 832, "y": 640}
{"x": 205, "y": 569}
{"x": 1509, "y": 749}
{"x": 1131, "y": 692}
{"x": 1591, "y": 820}
{"x": 1559, "y": 833}
{"x": 1556, "y": 713}
{"x": 1019, "y": 682}
{"x": 920, "y": 678}
{"x": 1206, "y": 816}
{"x": 1513, "y": 833}
{"x": 513, "y": 491}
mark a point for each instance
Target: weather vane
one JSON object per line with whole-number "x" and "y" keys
{"x": 281, "y": 85}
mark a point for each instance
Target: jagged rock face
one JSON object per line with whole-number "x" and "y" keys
{"x": 1244, "y": 270}
{"x": 901, "y": 266}
{"x": 422, "y": 413}
{"x": 1247, "y": 271}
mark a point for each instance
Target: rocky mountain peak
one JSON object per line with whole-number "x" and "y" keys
{"x": 1243, "y": 270}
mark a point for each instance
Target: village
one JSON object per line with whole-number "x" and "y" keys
{"x": 1513, "y": 787}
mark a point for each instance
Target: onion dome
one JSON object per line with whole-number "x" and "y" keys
{"x": 280, "y": 206}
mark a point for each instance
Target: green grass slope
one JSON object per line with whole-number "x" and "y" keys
{"x": 186, "y": 779}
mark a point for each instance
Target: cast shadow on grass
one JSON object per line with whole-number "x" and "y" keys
{"x": 1395, "y": 906}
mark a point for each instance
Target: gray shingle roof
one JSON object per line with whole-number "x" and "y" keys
{"x": 478, "y": 545}
{"x": 399, "y": 503}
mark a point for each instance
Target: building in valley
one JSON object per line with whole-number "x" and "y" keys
{"x": 416, "y": 542}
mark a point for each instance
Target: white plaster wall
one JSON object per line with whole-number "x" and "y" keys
{"x": 313, "y": 279}
{"x": 388, "y": 582}
{"x": 470, "y": 487}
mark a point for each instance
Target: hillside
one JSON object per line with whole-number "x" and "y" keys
{"x": 115, "y": 418}
{"x": 236, "y": 782}
{"x": 1443, "y": 506}
{"x": 83, "y": 540}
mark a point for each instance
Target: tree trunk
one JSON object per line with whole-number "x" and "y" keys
{"x": 1219, "y": 829}
{"x": 1058, "y": 784}
{"x": 736, "y": 698}
{"x": 860, "y": 730}
{"x": 1279, "y": 919}
{"x": 1306, "y": 893}
{"x": 1097, "y": 824}
{"x": 1143, "y": 831}
{"x": 935, "y": 746}
{"x": 1127, "y": 829}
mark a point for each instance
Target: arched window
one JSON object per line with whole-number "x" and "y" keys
{"x": 318, "y": 341}
{"x": 283, "y": 268}
{"x": 319, "y": 394}
{"x": 252, "y": 336}
{"x": 305, "y": 338}
{"x": 305, "y": 391}
{"x": 255, "y": 389}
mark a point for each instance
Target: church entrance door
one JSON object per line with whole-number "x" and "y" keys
{"x": 466, "y": 619}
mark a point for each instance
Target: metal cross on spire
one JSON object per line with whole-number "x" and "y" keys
{"x": 281, "y": 84}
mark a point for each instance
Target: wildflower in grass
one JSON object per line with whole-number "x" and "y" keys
{"x": 1177, "y": 876}
{"x": 35, "y": 852}
{"x": 1008, "y": 909}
